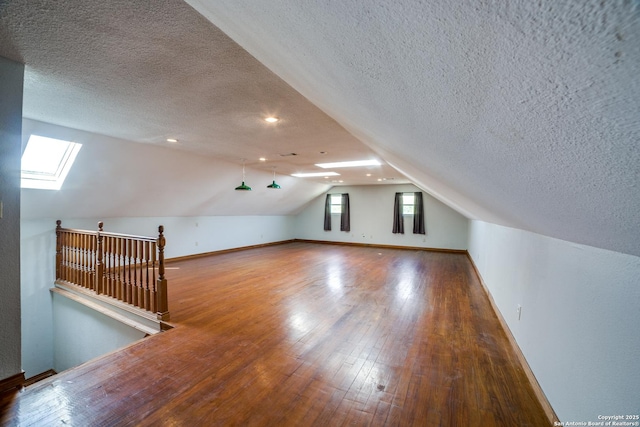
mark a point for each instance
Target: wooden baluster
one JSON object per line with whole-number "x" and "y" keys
{"x": 112, "y": 267}
{"x": 63, "y": 260}
{"x": 116, "y": 267}
{"x": 163, "y": 303}
{"x": 63, "y": 265}
{"x": 74, "y": 258}
{"x": 147, "y": 303}
{"x": 93, "y": 257}
{"x": 70, "y": 238}
{"x": 111, "y": 272}
{"x": 70, "y": 257}
{"x": 86, "y": 262}
{"x": 105, "y": 260}
{"x": 99, "y": 266}
{"x": 58, "y": 250}
{"x": 141, "y": 274}
{"x": 80, "y": 253}
{"x": 129, "y": 298}
{"x": 82, "y": 264}
{"x": 121, "y": 271}
{"x": 77, "y": 246}
{"x": 134, "y": 285}
{"x": 92, "y": 267}
{"x": 89, "y": 262}
{"x": 70, "y": 254}
{"x": 153, "y": 284}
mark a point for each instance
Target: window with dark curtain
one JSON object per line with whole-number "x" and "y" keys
{"x": 418, "y": 214}
{"x": 398, "y": 219}
{"x": 345, "y": 216}
{"x": 327, "y": 213}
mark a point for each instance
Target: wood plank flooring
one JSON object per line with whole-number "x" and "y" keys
{"x": 304, "y": 334}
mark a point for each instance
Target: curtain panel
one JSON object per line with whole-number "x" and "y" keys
{"x": 327, "y": 213}
{"x": 345, "y": 216}
{"x": 418, "y": 214}
{"x": 398, "y": 219}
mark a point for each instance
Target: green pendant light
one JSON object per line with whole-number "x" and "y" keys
{"x": 243, "y": 186}
{"x": 273, "y": 184}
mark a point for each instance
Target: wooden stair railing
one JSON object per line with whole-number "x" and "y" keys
{"x": 120, "y": 266}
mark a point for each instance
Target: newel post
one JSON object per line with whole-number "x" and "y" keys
{"x": 161, "y": 286}
{"x": 58, "y": 248}
{"x": 99, "y": 265}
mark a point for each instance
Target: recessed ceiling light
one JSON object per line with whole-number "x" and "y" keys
{"x": 352, "y": 164}
{"x": 368, "y": 174}
{"x": 312, "y": 174}
{"x": 172, "y": 140}
{"x": 262, "y": 159}
{"x": 271, "y": 119}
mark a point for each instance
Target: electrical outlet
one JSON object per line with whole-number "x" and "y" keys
{"x": 519, "y": 311}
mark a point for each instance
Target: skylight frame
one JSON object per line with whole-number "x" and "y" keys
{"x": 46, "y": 162}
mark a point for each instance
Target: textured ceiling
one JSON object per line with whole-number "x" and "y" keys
{"x": 151, "y": 70}
{"x": 520, "y": 113}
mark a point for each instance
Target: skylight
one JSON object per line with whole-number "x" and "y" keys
{"x": 352, "y": 164}
{"x": 46, "y": 162}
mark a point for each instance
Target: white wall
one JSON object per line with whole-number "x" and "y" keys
{"x": 37, "y": 273}
{"x": 200, "y": 234}
{"x": 82, "y": 334}
{"x": 579, "y": 329}
{"x": 11, "y": 81}
{"x": 372, "y": 220}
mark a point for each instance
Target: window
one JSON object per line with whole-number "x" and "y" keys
{"x": 408, "y": 203}
{"x": 46, "y": 162}
{"x": 336, "y": 203}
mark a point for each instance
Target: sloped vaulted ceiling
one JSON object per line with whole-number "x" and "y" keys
{"x": 526, "y": 114}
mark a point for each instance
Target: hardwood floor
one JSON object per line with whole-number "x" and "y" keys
{"x": 304, "y": 334}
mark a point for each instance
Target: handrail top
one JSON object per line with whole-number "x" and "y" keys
{"x": 110, "y": 234}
